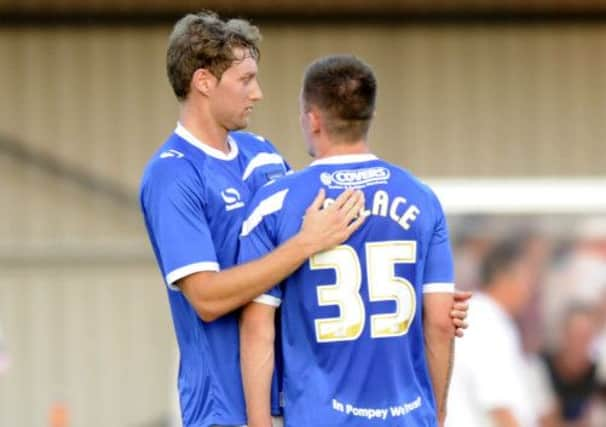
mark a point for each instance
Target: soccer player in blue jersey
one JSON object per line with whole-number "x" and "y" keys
{"x": 366, "y": 335}
{"x": 194, "y": 193}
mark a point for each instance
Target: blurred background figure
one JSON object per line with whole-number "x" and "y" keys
{"x": 578, "y": 275}
{"x": 573, "y": 371}
{"x": 491, "y": 385}
{"x": 472, "y": 242}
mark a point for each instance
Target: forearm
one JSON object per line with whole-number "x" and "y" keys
{"x": 218, "y": 293}
{"x": 439, "y": 344}
{"x": 257, "y": 365}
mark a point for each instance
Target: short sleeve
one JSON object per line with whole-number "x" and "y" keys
{"x": 439, "y": 273}
{"x": 173, "y": 208}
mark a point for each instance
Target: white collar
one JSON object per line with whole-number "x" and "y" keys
{"x": 344, "y": 158}
{"x": 187, "y": 136}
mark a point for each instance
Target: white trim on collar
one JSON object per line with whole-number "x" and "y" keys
{"x": 345, "y": 158}
{"x": 187, "y": 136}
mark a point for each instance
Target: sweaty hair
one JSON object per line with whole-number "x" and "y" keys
{"x": 203, "y": 40}
{"x": 344, "y": 89}
{"x": 500, "y": 259}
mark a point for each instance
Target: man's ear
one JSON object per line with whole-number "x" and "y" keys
{"x": 315, "y": 120}
{"x": 203, "y": 81}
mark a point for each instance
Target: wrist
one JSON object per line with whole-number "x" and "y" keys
{"x": 304, "y": 245}
{"x": 260, "y": 421}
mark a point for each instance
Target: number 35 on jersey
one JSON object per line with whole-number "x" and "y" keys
{"x": 383, "y": 285}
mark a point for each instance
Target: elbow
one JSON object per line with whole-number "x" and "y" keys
{"x": 195, "y": 288}
{"x": 208, "y": 316}
{"x": 208, "y": 312}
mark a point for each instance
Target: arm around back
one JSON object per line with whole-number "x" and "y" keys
{"x": 213, "y": 294}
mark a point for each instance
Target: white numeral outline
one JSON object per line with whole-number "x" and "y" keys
{"x": 383, "y": 285}
{"x": 345, "y": 293}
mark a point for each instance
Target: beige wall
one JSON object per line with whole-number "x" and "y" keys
{"x": 81, "y": 302}
{"x": 524, "y": 100}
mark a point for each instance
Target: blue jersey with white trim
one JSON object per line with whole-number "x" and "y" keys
{"x": 194, "y": 199}
{"x": 351, "y": 317}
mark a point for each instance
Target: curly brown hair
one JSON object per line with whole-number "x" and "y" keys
{"x": 203, "y": 40}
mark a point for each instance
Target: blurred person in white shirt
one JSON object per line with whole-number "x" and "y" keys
{"x": 491, "y": 383}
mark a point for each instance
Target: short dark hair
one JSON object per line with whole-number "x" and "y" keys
{"x": 344, "y": 88}
{"x": 202, "y": 40}
{"x": 501, "y": 258}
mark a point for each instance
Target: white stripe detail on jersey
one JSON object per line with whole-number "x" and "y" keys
{"x": 268, "y": 300}
{"x": 268, "y": 206}
{"x": 262, "y": 159}
{"x": 344, "y": 158}
{"x": 181, "y": 272}
{"x": 430, "y": 288}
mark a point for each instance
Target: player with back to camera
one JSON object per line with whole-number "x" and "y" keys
{"x": 366, "y": 334}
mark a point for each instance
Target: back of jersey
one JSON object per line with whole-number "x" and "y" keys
{"x": 352, "y": 330}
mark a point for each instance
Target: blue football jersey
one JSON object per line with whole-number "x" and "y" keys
{"x": 194, "y": 200}
{"x": 351, "y": 317}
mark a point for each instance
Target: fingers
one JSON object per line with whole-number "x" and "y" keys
{"x": 460, "y": 326}
{"x": 458, "y": 315}
{"x": 316, "y": 205}
{"x": 460, "y": 323}
{"x": 355, "y": 224}
{"x": 343, "y": 198}
{"x": 353, "y": 207}
{"x": 462, "y": 296}
{"x": 350, "y": 202}
{"x": 460, "y": 306}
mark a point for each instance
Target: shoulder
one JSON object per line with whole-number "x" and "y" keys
{"x": 276, "y": 195}
{"x": 280, "y": 186}
{"x": 414, "y": 185}
{"x": 252, "y": 142}
{"x": 294, "y": 183}
{"x": 171, "y": 165}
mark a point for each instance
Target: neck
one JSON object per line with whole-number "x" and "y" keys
{"x": 343, "y": 148}
{"x": 200, "y": 123}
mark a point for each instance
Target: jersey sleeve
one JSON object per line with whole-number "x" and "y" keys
{"x": 439, "y": 272}
{"x": 259, "y": 235}
{"x": 174, "y": 213}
